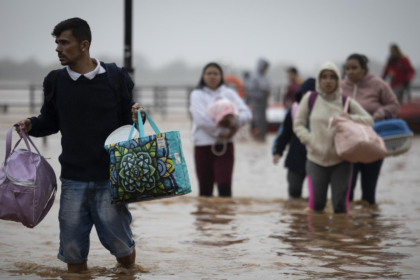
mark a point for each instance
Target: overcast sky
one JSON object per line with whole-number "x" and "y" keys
{"x": 305, "y": 33}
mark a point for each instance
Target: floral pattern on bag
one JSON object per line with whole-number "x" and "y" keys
{"x": 140, "y": 170}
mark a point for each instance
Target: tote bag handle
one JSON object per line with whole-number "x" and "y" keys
{"x": 140, "y": 125}
{"x": 24, "y": 137}
{"x": 345, "y": 110}
{"x": 346, "y": 105}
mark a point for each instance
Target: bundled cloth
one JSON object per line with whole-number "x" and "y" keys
{"x": 220, "y": 109}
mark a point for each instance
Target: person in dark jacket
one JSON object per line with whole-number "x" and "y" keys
{"x": 296, "y": 157}
{"x": 85, "y": 109}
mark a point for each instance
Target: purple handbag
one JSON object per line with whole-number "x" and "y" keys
{"x": 27, "y": 184}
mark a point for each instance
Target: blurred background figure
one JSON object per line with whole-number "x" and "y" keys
{"x": 258, "y": 88}
{"x": 377, "y": 98}
{"x": 212, "y": 168}
{"x": 294, "y": 82}
{"x": 400, "y": 72}
{"x": 245, "y": 77}
{"x": 296, "y": 157}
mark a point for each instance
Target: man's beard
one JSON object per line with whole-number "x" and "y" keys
{"x": 66, "y": 62}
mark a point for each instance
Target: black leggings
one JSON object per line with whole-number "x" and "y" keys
{"x": 370, "y": 173}
{"x": 320, "y": 177}
{"x": 295, "y": 180}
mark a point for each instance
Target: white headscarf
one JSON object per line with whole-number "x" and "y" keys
{"x": 337, "y": 92}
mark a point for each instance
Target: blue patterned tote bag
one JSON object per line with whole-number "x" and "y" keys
{"x": 149, "y": 167}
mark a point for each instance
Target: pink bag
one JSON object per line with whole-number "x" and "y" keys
{"x": 27, "y": 183}
{"x": 356, "y": 142}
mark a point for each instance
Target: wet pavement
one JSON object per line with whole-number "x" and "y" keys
{"x": 258, "y": 234}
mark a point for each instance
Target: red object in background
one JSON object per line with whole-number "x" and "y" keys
{"x": 400, "y": 70}
{"x": 410, "y": 112}
{"x": 236, "y": 83}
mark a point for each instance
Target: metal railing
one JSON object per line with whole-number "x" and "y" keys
{"x": 155, "y": 99}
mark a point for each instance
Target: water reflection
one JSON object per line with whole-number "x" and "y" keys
{"x": 345, "y": 244}
{"x": 214, "y": 218}
{"x": 95, "y": 272}
{"x": 260, "y": 238}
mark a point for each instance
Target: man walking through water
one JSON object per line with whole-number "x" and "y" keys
{"x": 82, "y": 103}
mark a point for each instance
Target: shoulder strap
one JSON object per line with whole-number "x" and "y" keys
{"x": 49, "y": 87}
{"x": 311, "y": 102}
{"x": 114, "y": 78}
{"x": 117, "y": 83}
{"x": 344, "y": 99}
{"x": 312, "y": 99}
{"x": 49, "y": 91}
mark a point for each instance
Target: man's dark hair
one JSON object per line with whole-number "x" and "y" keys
{"x": 201, "y": 84}
{"x": 79, "y": 28}
{"x": 362, "y": 59}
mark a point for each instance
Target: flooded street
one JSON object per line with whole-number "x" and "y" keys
{"x": 258, "y": 234}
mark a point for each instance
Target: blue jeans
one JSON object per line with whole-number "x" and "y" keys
{"x": 84, "y": 204}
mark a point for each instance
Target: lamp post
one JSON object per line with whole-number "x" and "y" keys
{"x": 128, "y": 25}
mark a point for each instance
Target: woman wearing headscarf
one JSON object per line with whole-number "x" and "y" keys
{"x": 213, "y": 168}
{"x": 377, "y": 98}
{"x": 324, "y": 166}
{"x": 258, "y": 89}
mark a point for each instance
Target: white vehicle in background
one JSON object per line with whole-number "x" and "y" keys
{"x": 275, "y": 115}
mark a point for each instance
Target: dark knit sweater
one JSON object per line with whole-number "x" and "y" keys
{"x": 88, "y": 113}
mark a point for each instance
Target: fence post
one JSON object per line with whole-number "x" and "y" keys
{"x": 189, "y": 90}
{"x": 156, "y": 97}
{"x": 164, "y": 101}
{"x": 32, "y": 98}
{"x": 137, "y": 95}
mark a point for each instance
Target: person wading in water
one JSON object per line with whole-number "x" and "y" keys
{"x": 377, "y": 98}
{"x": 85, "y": 109}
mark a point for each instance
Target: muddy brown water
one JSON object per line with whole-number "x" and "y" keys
{"x": 258, "y": 234}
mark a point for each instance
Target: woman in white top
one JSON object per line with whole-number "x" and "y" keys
{"x": 205, "y": 133}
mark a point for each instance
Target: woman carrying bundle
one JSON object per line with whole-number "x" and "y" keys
{"x": 206, "y": 132}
